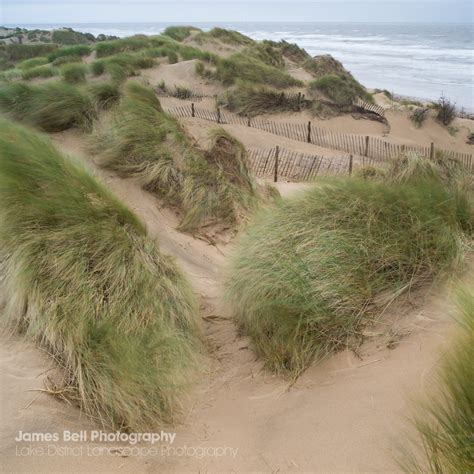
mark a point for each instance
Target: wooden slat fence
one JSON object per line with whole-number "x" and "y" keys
{"x": 374, "y": 149}
{"x": 376, "y": 109}
{"x": 279, "y": 163}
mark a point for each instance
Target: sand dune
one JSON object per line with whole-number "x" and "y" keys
{"x": 339, "y": 416}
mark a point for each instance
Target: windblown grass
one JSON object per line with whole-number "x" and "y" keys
{"x": 311, "y": 272}
{"x": 180, "y": 33}
{"x": 343, "y": 90}
{"x": 105, "y": 94}
{"x": 444, "y": 422}
{"x": 84, "y": 280}
{"x": 132, "y": 43}
{"x": 146, "y": 143}
{"x": 74, "y": 73}
{"x": 251, "y": 70}
{"x": 67, "y": 60}
{"x": 33, "y": 62}
{"x": 52, "y": 107}
{"x": 121, "y": 66}
{"x": 78, "y": 50}
{"x": 18, "y": 52}
{"x": 39, "y": 71}
{"x": 250, "y": 100}
{"x": 226, "y": 36}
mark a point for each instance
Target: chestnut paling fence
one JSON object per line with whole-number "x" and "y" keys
{"x": 372, "y": 149}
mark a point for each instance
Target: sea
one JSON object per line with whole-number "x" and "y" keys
{"x": 415, "y": 60}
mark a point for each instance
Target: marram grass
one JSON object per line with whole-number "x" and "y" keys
{"x": 51, "y": 107}
{"x": 307, "y": 275}
{"x": 146, "y": 143}
{"x": 444, "y": 421}
{"x": 83, "y": 279}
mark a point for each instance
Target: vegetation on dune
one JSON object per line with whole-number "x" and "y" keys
{"x": 446, "y": 110}
{"x": 146, "y": 143}
{"x": 180, "y": 33}
{"x": 312, "y": 271}
{"x": 83, "y": 279}
{"x": 163, "y": 46}
{"x": 67, "y": 60}
{"x": 226, "y": 36}
{"x": 74, "y": 72}
{"x": 33, "y": 62}
{"x": 419, "y": 116}
{"x": 444, "y": 422}
{"x": 121, "y": 66}
{"x": 105, "y": 94}
{"x": 78, "y": 50}
{"x": 248, "y": 69}
{"x": 39, "y": 71}
{"x": 18, "y": 52}
{"x": 250, "y": 100}
{"x": 132, "y": 43}
{"x": 342, "y": 90}
{"x": 323, "y": 65}
{"x": 52, "y": 107}
{"x": 68, "y": 36}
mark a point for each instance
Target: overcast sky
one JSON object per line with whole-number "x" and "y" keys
{"x": 108, "y": 11}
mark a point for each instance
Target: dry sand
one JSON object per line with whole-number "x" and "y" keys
{"x": 340, "y": 416}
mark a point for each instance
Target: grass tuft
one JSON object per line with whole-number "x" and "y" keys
{"x": 74, "y": 73}
{"x": 311, "y": 271}
{"x": 342, "y": 90}
{"x": 444, "y": 422}
{"x": 180, "y": 33}
{"x": 39, "y": 71}
{"x": 52, "y": 107}
{"x": 83, "y": 279}
{"x": 105, "y": 94}
{"x": 249, "y": 100}
{"x": 146, "y": 143}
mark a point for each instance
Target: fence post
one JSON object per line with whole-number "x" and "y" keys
{"x": 248, "y": 121}
{"x": 193, "y": 114}
{"x": 309, "y": 131}
{"x": 432, "y": 151}
{"x": 277, "y": 152}
{"x": 366, "y": 153}
{"x": 350, "y": 164}
{"x": 299, "y": 100}
{"x": 218, "y": 115}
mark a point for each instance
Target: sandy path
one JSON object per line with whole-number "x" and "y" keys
{"x": 340, "y": 416}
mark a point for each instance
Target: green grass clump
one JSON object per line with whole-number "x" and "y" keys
{"x": 69, "y": 36}
{"x": 18, "y": 52}
{"x": 105, "y": 94}
{"x": 132, "y": 43}
{"x": 66, "y": 60}
{"x": 250, "y": 100}
{"x": 78, "y": 50}
{"x": 74, "y": 73}
{"x": 250, "y": 70}
{"x": 52, "y": 107}
{"x": 84, "y": 280}
{"x": 146, "y": 143}
{"x": 39, "y": 71}
{"x": 313, "y": 270}
{"x": 226, "y": 36}
{"x": 180, "y": 33}
{"x": 121, "y": 66}
{"x": 33, "y": 62}
{"x": 444, "y": 422}
{"x": 343, "y": 90}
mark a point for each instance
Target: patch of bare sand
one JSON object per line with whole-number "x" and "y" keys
{"x": 340, "y": 415}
